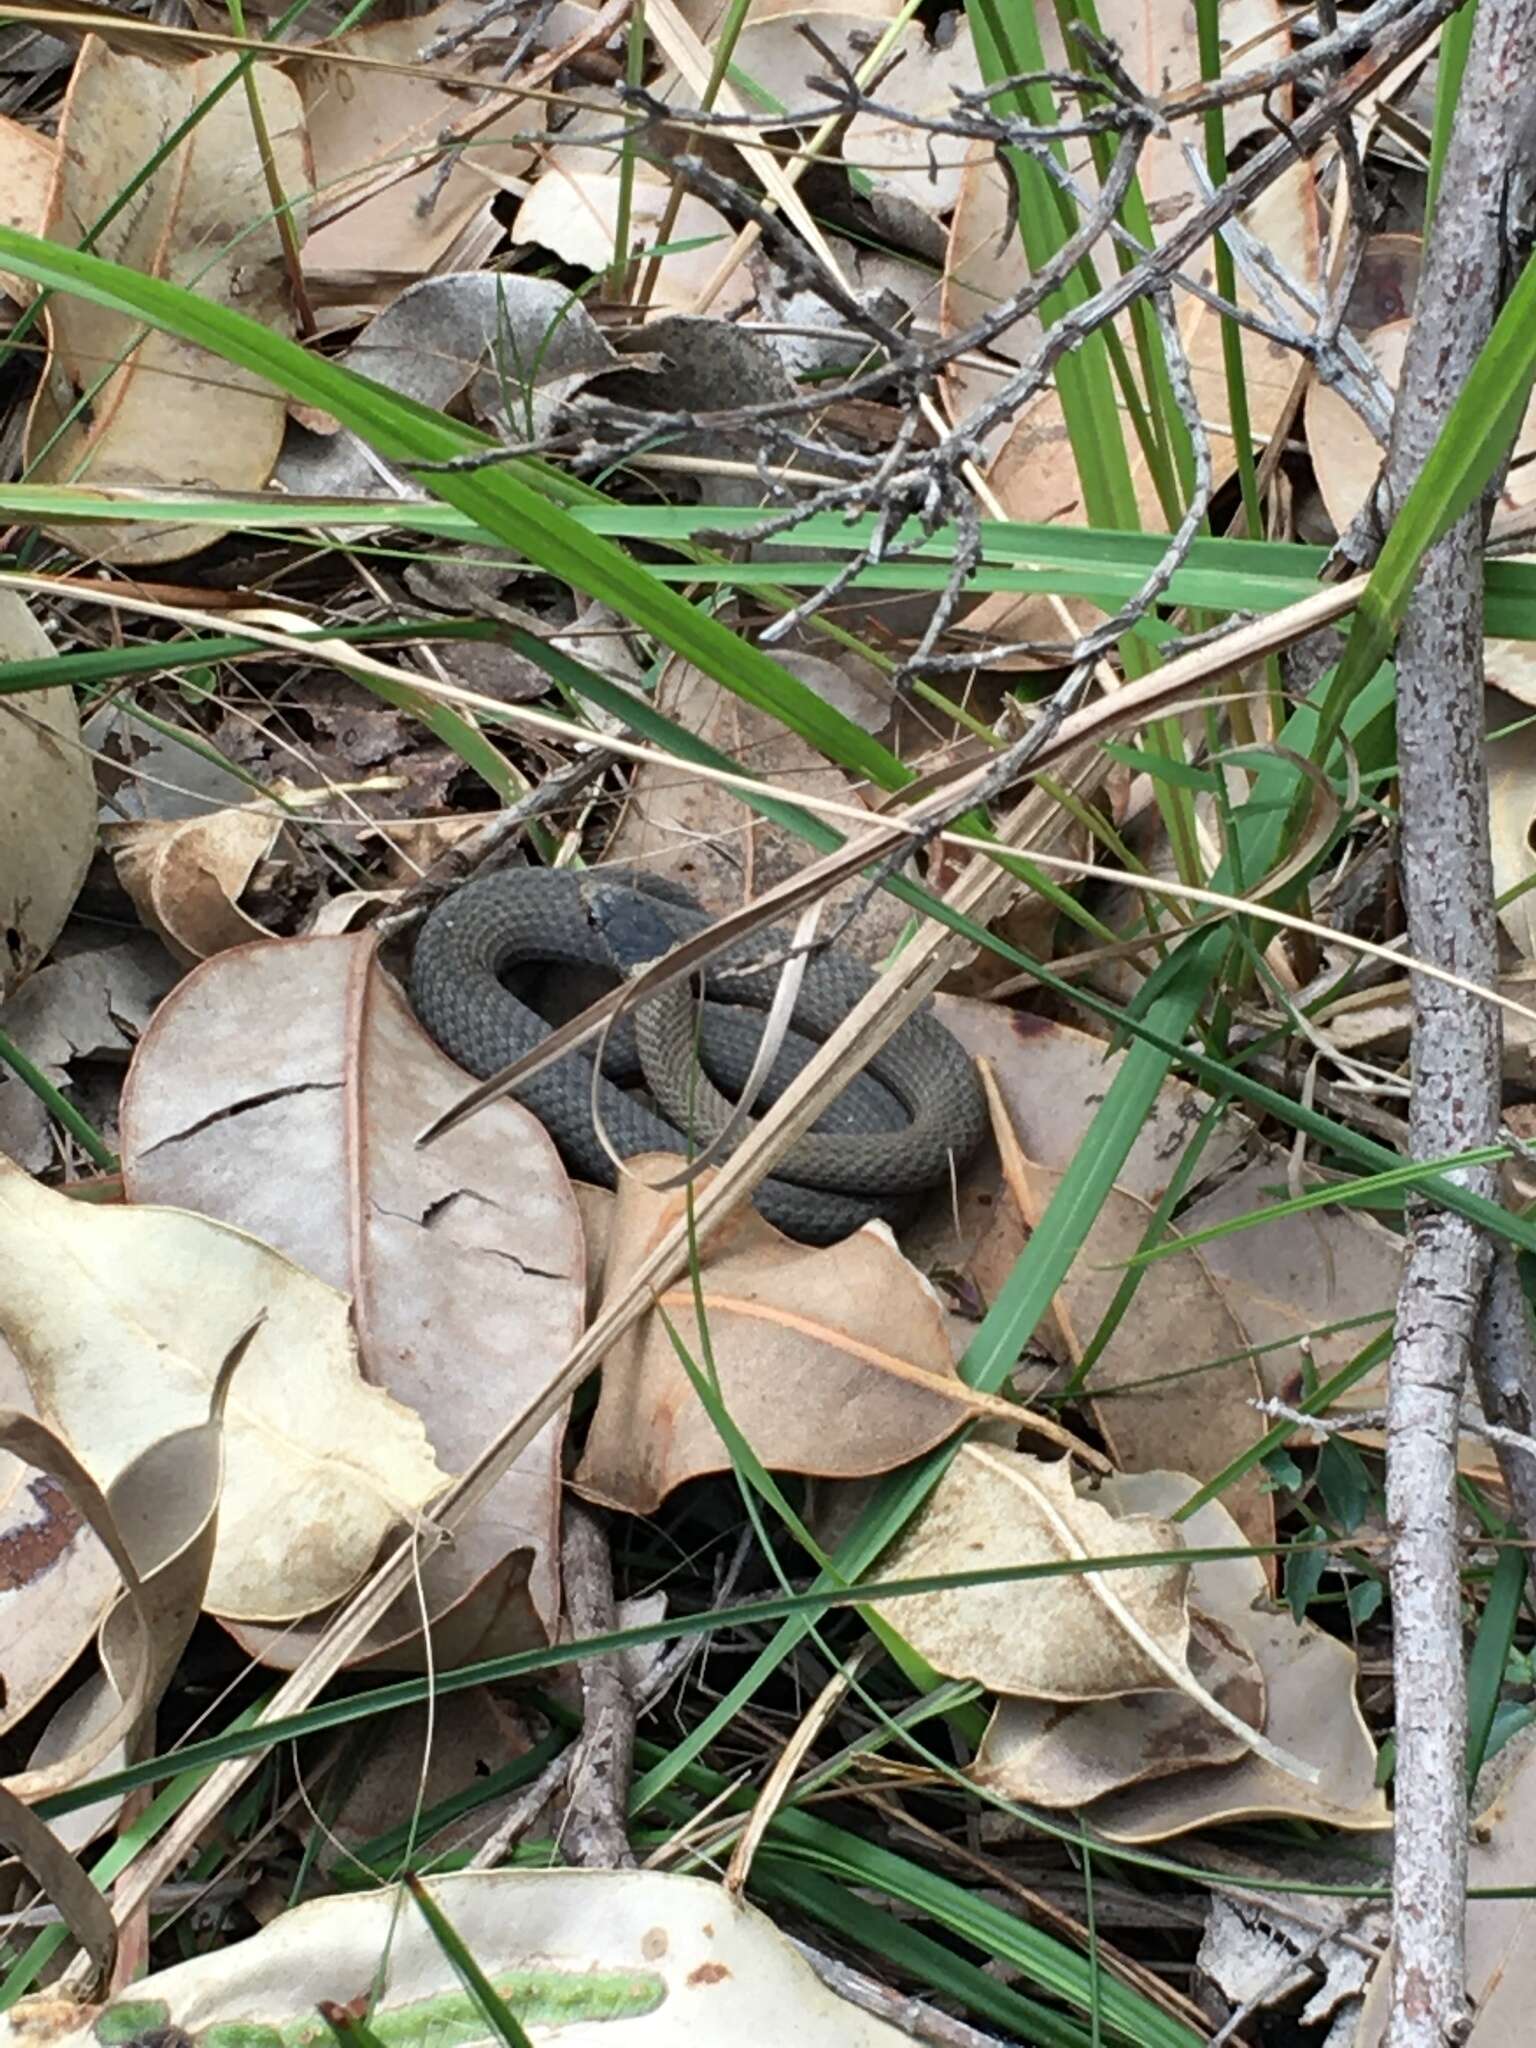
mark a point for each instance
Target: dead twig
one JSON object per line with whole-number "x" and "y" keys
{"x": 1456, "y": 1060}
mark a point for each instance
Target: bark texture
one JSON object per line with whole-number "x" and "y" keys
{"x": 1448, "y": 890}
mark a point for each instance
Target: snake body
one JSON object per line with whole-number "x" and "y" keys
{"x": 891, "y": 1133}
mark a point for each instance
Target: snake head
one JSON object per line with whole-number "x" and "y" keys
{"x": 633, "y": 926}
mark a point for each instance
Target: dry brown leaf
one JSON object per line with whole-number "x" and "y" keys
{"x": 1063, "y": 1756}
{"x": 516, "y": 347}
{"x": 1046, "y": 1753}
{"x": 186, "y": 875}
{"x": 26, "y": 171}
{"x": 464, "y": 1260}
{"x": 1310, "y": 1709}
{"x": 47, "y": 805}
{"x": 1311, "y": 1713}
{"x": 158, "y": 411}
{"x": 1073, "y": 1636}
{"x": 320, "y": 1466}
{"x": 84, "y": 1010}
{"x": 1173, "y": 1388}
{"x": 1346, "y": 460}
{"x": 576, "y": 214}
{"x": 1052, "y": 1079}
{"x": 699, "y": 834}
{"x": 827, "y": 1358}
{"x": 902, "y": 163}
{"x": 379, "y": 138}
{"x": 1031, "y": 469}
{"x": 1289, "y": 1278}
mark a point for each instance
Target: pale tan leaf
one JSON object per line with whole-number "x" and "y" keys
{"x": 61, "y": 1577}
{"x": 1311, "y": 1712}
{"x": 47, "y": 805}
{"x": 158, "y": 411}
{"x": 1076, "y": 1634}
{"x": 660, "y": 1961}
{"x": 464, "y": 1259}
{"x": 831, "y": 1361}
{"x": 186, "y": 875}
{"x": 1072, "y": 1636}
{"x": 1043, "y": 1753}
{"x": 161, "y": 1510}
{"x": 1051, "y": 1755}
{"x": 26, "y": 170}
{"x": 320, "y": 1466}
{"x": 379, "y": 140}
{"x": 575, "y": 214}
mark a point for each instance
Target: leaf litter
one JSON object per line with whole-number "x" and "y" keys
{"x": 462, "y": 244}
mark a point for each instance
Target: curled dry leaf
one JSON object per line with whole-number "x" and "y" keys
{"x": 828, "y": 1358}
{"x": 656, "y": 1960}
{"x": 186, "y": 875}
{"x": 61, "y": 1577}
{"x": 1311, "y": 1714}
{"x": 576, "y": 215}
{"x": 464, "y": 1260}
{"x": 156, "y": 1521}
{"x": 380, "y": 138}
{"x": 518, "y": 346}
{"x": 26, "y": 171}
{"x": 120, "y": 404}
{"x": 47, "y": 805}
{"x": 1065, "y": 1756}
{"x": 320, "y": 1466}
{"x": 84, "y": 1007}
{"x": 1072, "y": 1636}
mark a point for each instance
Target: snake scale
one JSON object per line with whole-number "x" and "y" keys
{"x": 891, "y": 1133}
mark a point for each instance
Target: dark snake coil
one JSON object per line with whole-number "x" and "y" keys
{"x": 892, "y": 1132}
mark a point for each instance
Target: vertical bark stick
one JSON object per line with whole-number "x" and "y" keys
{"x": 1448, "y": 887}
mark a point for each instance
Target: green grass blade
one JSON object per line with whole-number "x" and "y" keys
{"x": 500, "y": 502}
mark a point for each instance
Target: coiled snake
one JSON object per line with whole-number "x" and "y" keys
{"x": 891, "y": 1133}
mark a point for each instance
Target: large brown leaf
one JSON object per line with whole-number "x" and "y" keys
{"x": 120, "y": 404}
{"x": 297, "y": 1066}
{"x": 832, "y": 1361}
